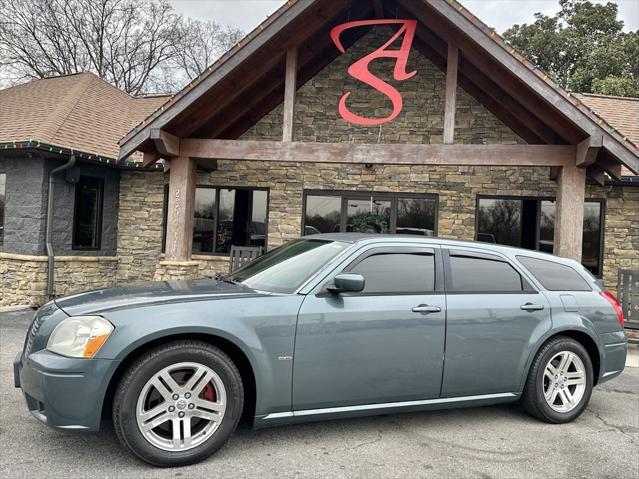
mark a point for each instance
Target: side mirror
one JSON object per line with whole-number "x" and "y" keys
{"x": 347, "y": 283}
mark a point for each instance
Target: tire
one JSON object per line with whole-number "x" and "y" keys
{"x": 569, "y": 393}
{"x": 153, "y": 397}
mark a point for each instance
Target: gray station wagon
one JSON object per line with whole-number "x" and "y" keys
{"x": 324, "y": 327}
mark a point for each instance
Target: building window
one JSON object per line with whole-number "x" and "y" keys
{"x": 3, "y": 181}
{"x": 530, "y": 223}
{"x": 87, "y": 215}
{"x": 332, "y": 212}
{"x": 225, "y": 217}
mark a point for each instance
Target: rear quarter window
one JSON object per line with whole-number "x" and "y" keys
{"x": 554, "y": 276}
{"x": 482, "y": 275}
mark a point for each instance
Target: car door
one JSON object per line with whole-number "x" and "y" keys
{"x": 382, "y": 345}
{"x": 494, "y": 318}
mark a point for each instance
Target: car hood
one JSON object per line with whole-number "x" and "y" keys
{"x": 144, "y": 294}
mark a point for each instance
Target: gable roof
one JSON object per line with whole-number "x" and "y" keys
{"x": 250, "y": 76}
{"x": 79, "y": 112}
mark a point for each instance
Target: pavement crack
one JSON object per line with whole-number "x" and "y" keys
{"x": 610, "y": 425}
{"x": 368, "y": 443}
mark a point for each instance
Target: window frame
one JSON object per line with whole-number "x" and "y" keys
{"x": 434, "y": 251}
{"x": 526, "y": 284}
{"x": 393, "y": 197}
{"x": 539, "y": 200}
{"x": 98, "y": 229}
{"x": 216, "y": 214}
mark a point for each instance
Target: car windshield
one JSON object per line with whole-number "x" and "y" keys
{"x": 288, "y": 267}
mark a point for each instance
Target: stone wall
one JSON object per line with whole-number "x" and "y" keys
{"x": 140, "y": 225}
{"x": 25, "y": 203}
{"x": 64, "y": 200}
{"x": 457, "y": 188}
{"x": 621, "y": 230}
{"x": 23, "y": 278}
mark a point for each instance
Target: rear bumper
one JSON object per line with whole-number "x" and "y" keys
{"x": 64, "y": 393}
{"x": 614, "y": 357}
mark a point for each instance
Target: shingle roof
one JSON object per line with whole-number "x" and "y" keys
{"x": 80, "y": 112}
{"x": 620, "y": 112}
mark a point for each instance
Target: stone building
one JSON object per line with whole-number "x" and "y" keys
{"x": 256, "y": 152}
{"x": 43, "y": 125}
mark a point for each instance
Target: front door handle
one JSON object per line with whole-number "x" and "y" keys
{"x": 531, "y": 307}
{"x": 426, "y": 309}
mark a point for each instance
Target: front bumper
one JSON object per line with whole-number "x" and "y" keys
{"x": 64, "y": 393}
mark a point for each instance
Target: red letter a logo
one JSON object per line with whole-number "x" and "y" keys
{"x": 359, "y": 69}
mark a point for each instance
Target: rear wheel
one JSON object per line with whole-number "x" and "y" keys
{"x": 178, "y": 404}
{"x": 560, "y": 381}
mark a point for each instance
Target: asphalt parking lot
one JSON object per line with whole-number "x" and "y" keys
{"x": 489, "y": 442}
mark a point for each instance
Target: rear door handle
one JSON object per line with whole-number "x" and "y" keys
{"x": 426, "y": 309}
{"x": 532, "y": 307}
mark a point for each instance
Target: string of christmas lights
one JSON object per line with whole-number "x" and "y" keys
{"x": 39, "y": 145}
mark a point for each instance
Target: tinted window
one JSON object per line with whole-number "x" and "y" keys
{"x": 87, "y": 218}
{"x": 554, "y": 276}
{"x": 416, "y": 216}
{"x": 368, "y": 216}
{"x": 483, "y": 275}
{"x": 397, "y": 273}
{"x": 323, "y": 214}
{"x": 499, "y": 221}
{"x": 204, "y": 220}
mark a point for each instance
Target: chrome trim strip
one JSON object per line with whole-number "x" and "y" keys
{"x": 372, "y": 407}
{"x": 615, "y": 344}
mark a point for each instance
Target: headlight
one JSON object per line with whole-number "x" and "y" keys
{"x": 79, "y": 336}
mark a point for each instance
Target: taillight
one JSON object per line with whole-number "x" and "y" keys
{"x": 615, "y": 304}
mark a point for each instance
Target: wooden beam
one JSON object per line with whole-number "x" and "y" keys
{"x": 379, "y": 8}
{"x": 149, "y": 158}
{"x": 167, "y": 145}
{"x": 290, "y": 87}
{"x": 451, "y": 94}
{"x": 569, "y": 216}
{"x": 588, "y": 149}
{"x": 179, "y": 222}
{"x": 395, "y": 154}
{"x": 613, "y": 167}
{"x": 597, "y": 174}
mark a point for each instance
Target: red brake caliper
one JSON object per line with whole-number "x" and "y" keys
{"x": 208, "y": 393}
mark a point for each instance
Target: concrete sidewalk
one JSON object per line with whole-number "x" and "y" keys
{"x": 490, "y": 442}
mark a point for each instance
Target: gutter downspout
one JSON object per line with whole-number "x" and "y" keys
{"x": 50, "y": 256}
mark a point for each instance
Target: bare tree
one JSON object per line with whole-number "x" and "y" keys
{"x": 198, "y": 45}
{"x": 139, "y": 46}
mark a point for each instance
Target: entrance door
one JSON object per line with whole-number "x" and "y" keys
{"x": 382, "y": 345}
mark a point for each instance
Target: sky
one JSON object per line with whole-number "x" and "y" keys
{"x": 500, "y": 14}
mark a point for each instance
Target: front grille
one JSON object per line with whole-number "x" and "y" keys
{"x": 38, "y": 320}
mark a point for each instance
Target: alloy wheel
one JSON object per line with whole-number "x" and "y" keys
{"x": 564, "y": 381}
{"x": 181, "y": 406}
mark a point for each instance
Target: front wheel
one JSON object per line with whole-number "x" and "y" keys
{"x": 560, "y": 381}
{"x": 178, "y": 404}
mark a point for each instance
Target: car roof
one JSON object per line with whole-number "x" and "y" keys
{"x": 510, "y": 251}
